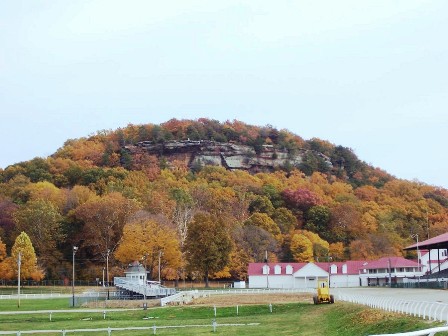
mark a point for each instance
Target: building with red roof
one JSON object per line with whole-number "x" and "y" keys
{"x": 351, "y": 273}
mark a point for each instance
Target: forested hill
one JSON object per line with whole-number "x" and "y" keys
{"x": 150, "y": 185}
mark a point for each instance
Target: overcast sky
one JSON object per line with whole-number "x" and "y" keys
{"x": 369, "y": 75}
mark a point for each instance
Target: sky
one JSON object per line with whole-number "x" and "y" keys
{"x": 371, "y": 75}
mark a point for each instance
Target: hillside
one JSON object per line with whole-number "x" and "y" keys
{"x": 142, "y": 189}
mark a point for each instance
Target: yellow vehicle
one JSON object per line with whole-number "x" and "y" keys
{"x": 323, "y": 293}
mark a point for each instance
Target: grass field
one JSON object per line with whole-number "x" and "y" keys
{"x": 294, "y": 318}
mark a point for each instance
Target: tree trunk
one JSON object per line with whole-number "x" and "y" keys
{"x": 206, "y": 277}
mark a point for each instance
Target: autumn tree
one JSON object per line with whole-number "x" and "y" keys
{"x": 285, "y": 219}
{"x": 301, "y": 199}
{"x": 208, "y": 245}
{"x": 255, "y": 241}
{"x": 144, "y": 239}
{"x": 301, "y": 248}
{"x": 104, "y": 219}
{"x": 29, "y": 268}
{"x": 265, "y": 222}
{"x": 42, "y": 222}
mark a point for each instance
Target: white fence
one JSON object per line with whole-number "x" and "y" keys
{"x": 110, "y": 331}
{"x": 435, "y": 311}
{"x": 34, "y": 296}
{"x": 430, "y": 332}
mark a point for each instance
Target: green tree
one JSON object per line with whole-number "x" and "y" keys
{"x": 208, "y": 245}
{"x": 317, "y": 219}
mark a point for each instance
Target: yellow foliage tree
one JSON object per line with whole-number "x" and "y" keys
{"x": 29, "y": 268}
{"x": 301, "y": 248}
{"x": 143, "y": 240}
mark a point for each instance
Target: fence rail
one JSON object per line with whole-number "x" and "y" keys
{"x": 109, "y": 330}
{"x": 431, "y": 310}
{"x": 430, "y": 332}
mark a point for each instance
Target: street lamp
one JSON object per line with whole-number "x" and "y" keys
{"x": 75, "y": 249}
{"x": 19, "y": 264}
{"x": 330, "y": 259}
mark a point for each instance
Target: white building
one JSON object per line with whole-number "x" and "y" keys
{"x": 388, "y": 270}
{"x": 135, "y": 273}
{"x": 351, "y": 273}
{"x": 303, "y": 275}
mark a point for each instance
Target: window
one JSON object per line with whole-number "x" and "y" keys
{"x": 344, "y": 269}
{"x": 277, "y": 269}
{"x": 288, "y": 269}
{"x": 265, "y": 269}
{"x": 333, "y": 269}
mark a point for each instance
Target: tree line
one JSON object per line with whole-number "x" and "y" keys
{"x": 210, "y": 221}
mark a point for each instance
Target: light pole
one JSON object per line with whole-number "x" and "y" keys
{"x": 107, "y": 272}
{"x": 19, "y": 264}
{"x": 75, "y": 249}
{"x": 330, "y": 259}
{"x": 104, "y": 284}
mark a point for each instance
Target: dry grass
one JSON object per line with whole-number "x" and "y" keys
{"x": 250, "y": 299}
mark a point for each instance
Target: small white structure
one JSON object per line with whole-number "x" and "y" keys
{"x": 135, "y": 273}
{"x": 239, "y": 284}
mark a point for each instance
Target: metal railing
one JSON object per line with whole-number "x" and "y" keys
{"x": 147, "y": 290}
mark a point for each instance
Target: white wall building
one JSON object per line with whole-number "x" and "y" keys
{"x": 352, "y": 273}
{"x": 303, "y": 275}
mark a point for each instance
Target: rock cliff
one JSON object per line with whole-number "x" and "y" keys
{"x": 229, "y": 155}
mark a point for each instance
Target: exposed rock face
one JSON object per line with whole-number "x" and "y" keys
{"x": 229, "y": 155}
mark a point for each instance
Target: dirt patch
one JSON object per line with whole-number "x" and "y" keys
{"x": 122, "y": 304}
{"x": 250, "y": 299}
{"x": 370, "y": 316}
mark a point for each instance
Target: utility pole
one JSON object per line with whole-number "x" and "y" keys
{"x": 160, "y": 256}
{"x": 418, "y": 255}
{"x": 390, "y": 274}
{"x": 107, "y": 272}
{"x": 145, "y": 277}
{"x": 75, "y": 248}
{"x": 267, "y": 269}
{"x": 19, "y": 264}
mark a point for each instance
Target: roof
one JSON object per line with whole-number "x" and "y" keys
{"x": 392, "y": 262}
{"x": 353, "y": 267}
{"x": 135, "y": 267}
{"x": 438, "y": 242}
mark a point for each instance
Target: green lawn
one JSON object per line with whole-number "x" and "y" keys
{"x": 341, "y": 319}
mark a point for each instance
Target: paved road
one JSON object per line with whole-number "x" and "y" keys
{"x": 414, "y": 294}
